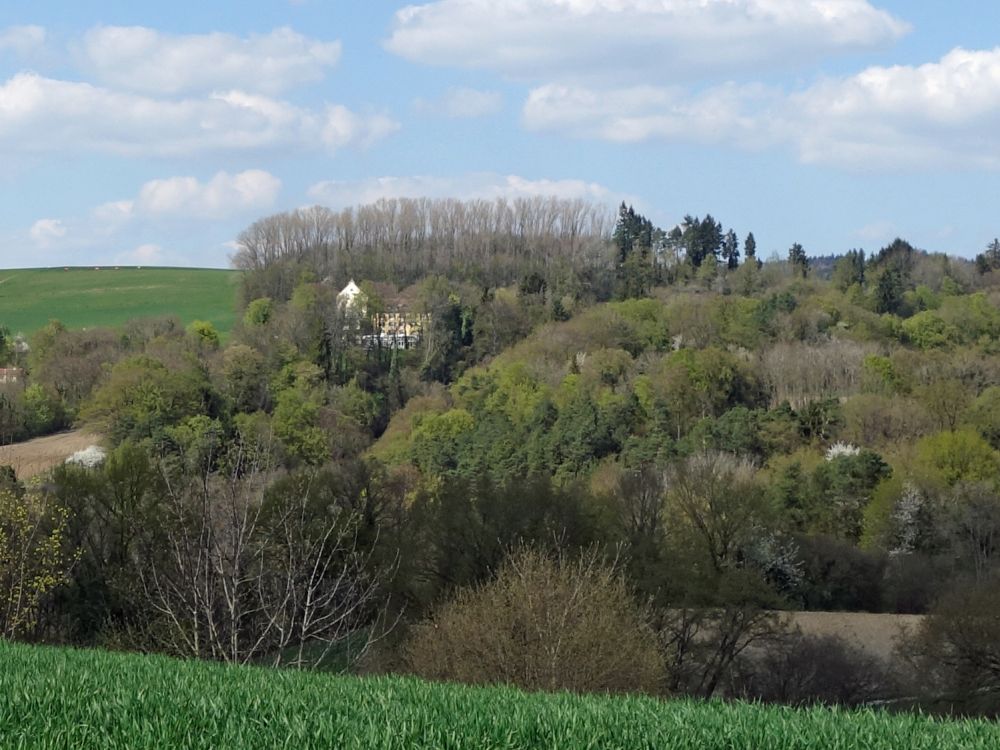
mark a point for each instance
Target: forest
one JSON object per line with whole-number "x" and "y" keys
{"x": 617, "y": 457}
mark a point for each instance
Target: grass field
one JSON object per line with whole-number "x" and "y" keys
{"x": 53, "y": 698}
{"x": 85, "y": 297}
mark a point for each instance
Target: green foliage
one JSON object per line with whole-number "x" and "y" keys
{"x": 849, "y": 270}
{"x": 927, "y": 330}
{"x": 34, "y": 557}
{"x": 42, "y": 413}
{"x": 985, "y": 413}
{"x": 142, "y": 396}
{"x": 439, "y": 440}
{"x": 879, "y": 375}
{"x": 204, "y": 333}
{"x": 245, "y": 377}
{"x": 258, "y": 312}
{"x": 844, "y": 487}
{"x": 960, "y": 456}
{"x": 295, "y": 425}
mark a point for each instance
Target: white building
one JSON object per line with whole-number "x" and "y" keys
{"x": 351, "y": 297}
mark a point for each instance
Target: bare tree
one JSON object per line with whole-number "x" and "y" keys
{"x": 246, "y": 577}
{"x": 401, "y": 240}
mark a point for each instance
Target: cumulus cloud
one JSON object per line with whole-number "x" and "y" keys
{"x": 646, "y": 40}
{"x": 141, "y": 59}
{"x": 938, "y": 114}
{"x": 46, "y": 232}
{"x": 483, "y": 185}
{"x": 39, "y": 114}
{"x": 222, "y": 197}
{"x": 461, "y": 102}
{"x": 945, "y": 113}
{"x": 22, "y": 40}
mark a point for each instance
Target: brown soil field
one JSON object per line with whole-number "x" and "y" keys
{"x": 875, "y": 634}
{"x": 32, "y": 457}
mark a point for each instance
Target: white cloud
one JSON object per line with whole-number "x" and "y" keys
{"x": 22, "y": 40}
{"x": 39, "y": 114}
{"x": 145, "y": 60}
{"x": 223, "y": 196}
{"x": 144, "y": 255}
{"x": 640, "y": 113}
{"x": 945, "y": 113}
{"x": 942, "y": 114}
{"x": 639, "y": 40}
{"x": 487, "y": 186}
{"x": 115, "y": 213}
{"x": 461, "y": 102}
{"x": 46, "y": 232}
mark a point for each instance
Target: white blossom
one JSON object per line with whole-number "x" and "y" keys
{"x": 90, "y": 457}
{"x": 837, "y": 450}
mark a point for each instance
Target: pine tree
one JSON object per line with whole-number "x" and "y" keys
{"x": 731, "y": 250}
{"x": 633, "y": 237}
{"x": 750, "y": 250}
{"x": 989, "y": 260}
{"x": 798, "y": 260}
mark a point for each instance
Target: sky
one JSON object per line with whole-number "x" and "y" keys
{"x": 134, "y": 134}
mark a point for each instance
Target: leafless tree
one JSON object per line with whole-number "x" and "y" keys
{"x": 249, "y": 578}
{"x": 799, "y": 373}
{"x": 401, "y": 240}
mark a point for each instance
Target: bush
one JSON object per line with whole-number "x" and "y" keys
{"x": 956, "y": 650}
{"x": 542, "y": 624}
{"x": 803, "y": 670}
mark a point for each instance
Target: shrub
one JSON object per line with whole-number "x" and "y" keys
{"x": 542, "y": 624}
{"x": 803, "y": 670}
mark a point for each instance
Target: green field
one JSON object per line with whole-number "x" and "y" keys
{"x": 85, "y": 297}
{"x": 53, "y": 698}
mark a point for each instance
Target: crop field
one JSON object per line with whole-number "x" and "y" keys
{"x": 85, "y": 297}
{"x": 32, "y": 457}
{"x": 54, "y": 698}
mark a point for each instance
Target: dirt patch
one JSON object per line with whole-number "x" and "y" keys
{"x": 876, "y": 634}
{"x": 36, "y": 456}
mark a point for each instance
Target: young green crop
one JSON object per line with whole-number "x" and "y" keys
{"x": 86, "y": 297}
{"x": 55, "y": 698}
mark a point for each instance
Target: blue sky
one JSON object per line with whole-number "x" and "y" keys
{"x": 153, "y": 135}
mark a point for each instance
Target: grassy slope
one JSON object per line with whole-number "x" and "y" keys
{"x": 84, "y": 297}
{"x": 58, "y": 698}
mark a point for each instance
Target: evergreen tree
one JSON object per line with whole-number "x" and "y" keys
{"x": 633, "y": 238}
{"x": 797, "y": 260}
{"x": 702, "y": 237}
{"x": 731, "y": 250}
{"x": 989, "y": 260}
{"x": 849, "y": 270}
{"x": 889, "y": 291}
{"x": 750, "y": 250}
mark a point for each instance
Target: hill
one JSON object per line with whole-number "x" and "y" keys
{"x": 109, "y": 296}
{"x": 61, "y": 698}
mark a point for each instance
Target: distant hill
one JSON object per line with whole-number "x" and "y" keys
{"x": 110, "y": 295}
